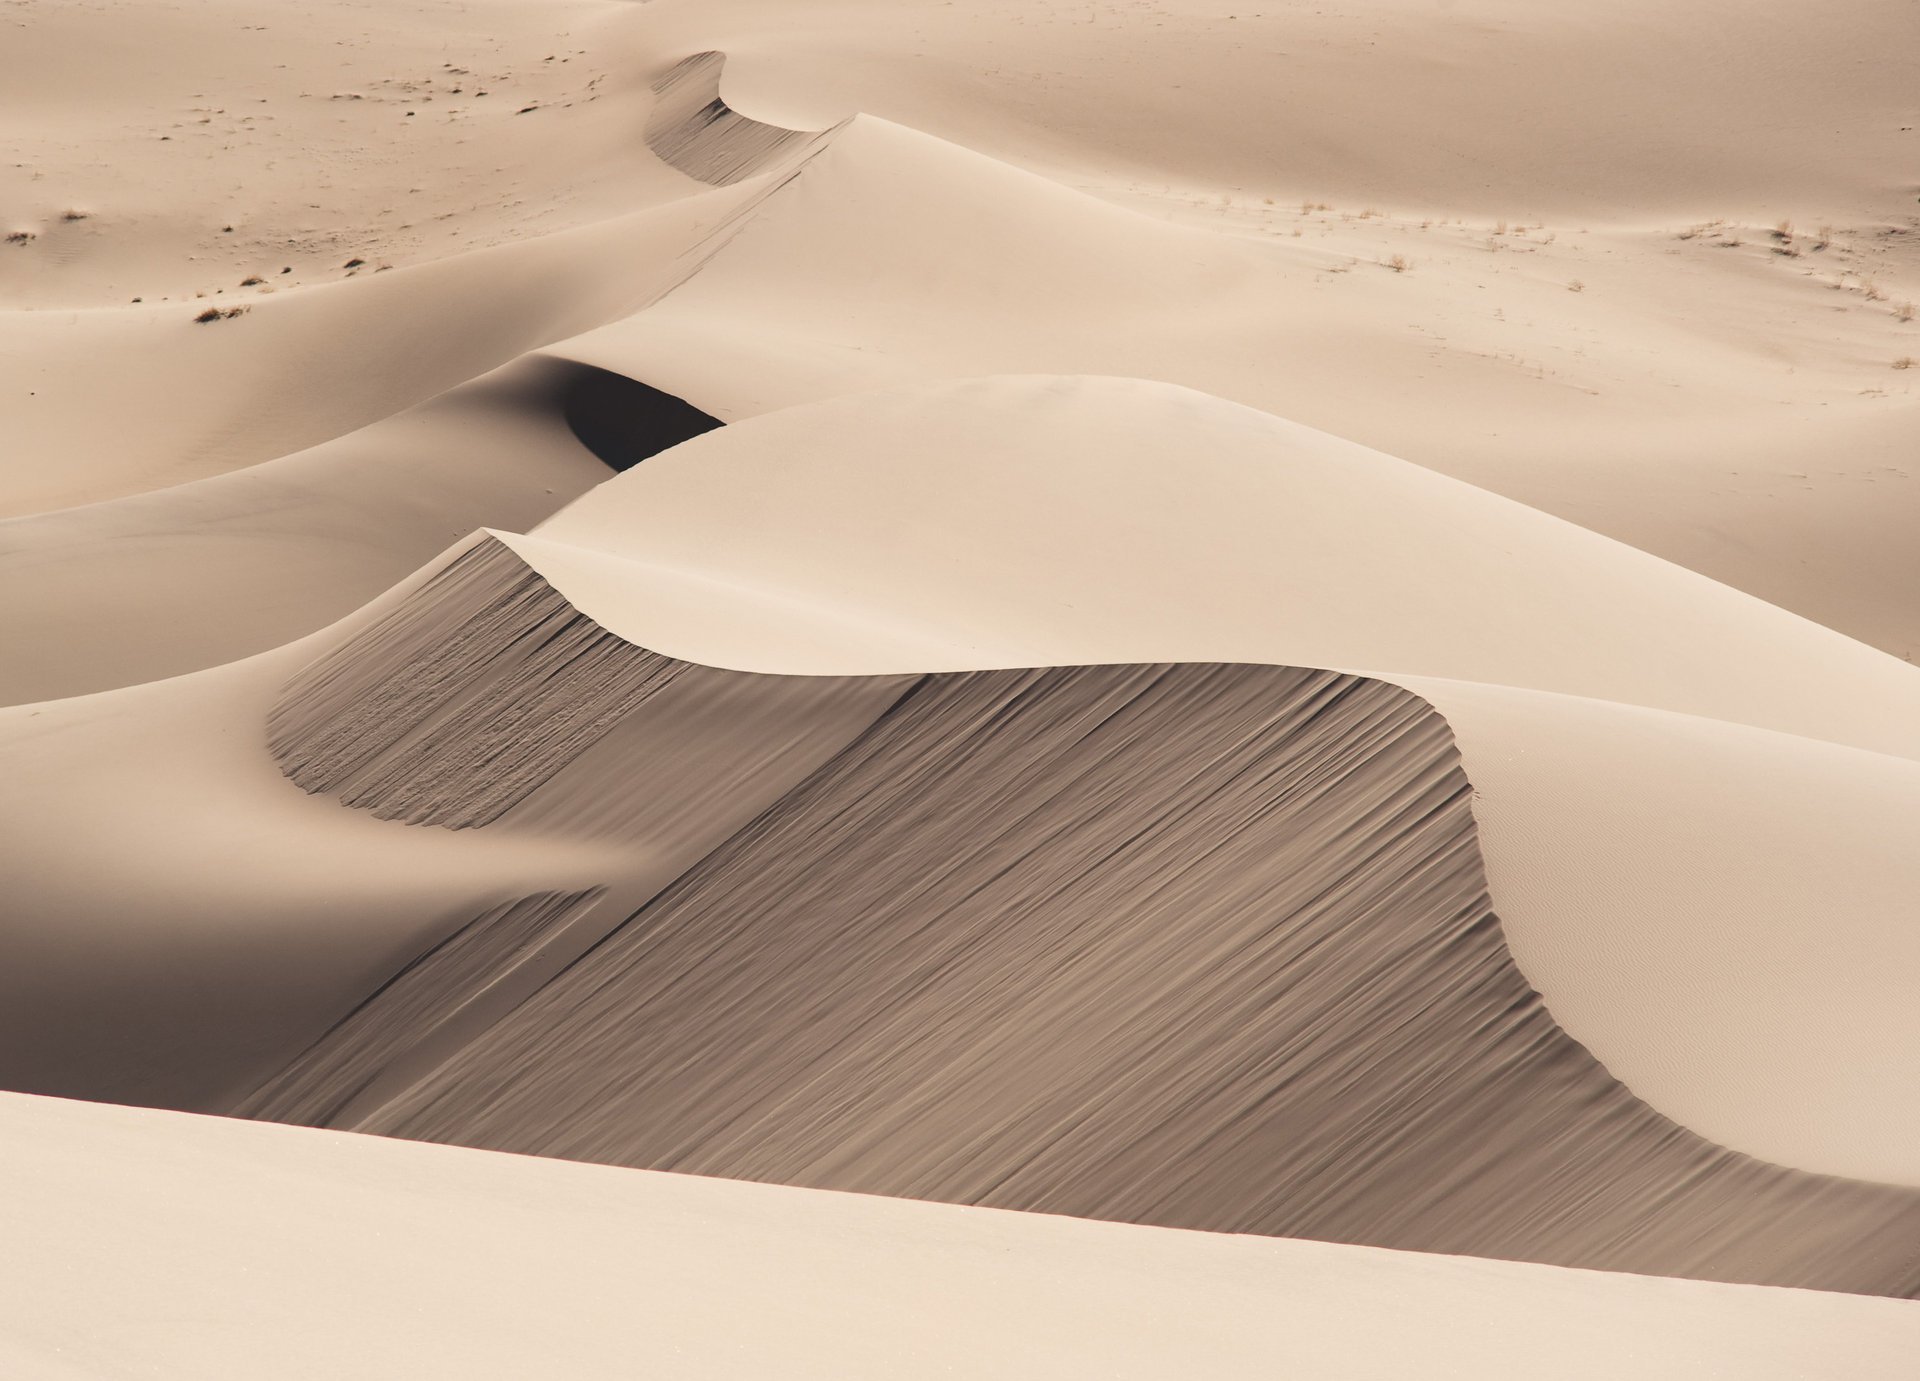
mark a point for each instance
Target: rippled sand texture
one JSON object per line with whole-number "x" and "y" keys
{"x": 1204, "y": 946}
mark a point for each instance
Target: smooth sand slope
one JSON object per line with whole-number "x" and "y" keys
{"x": 1698, "y": 901}
{"x": 190, "y": 576}
{"x": 1595, "y": 861}
{"x": 242, "y": 1250}
{"x": 1716, "y": 392}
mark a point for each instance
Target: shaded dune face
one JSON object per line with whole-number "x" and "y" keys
{"x": 1205, "y": 946}
{"x": 623, "y": 421}
{"x": 693, "y": 130}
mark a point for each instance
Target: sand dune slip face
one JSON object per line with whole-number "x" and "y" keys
{"x": 1253, "y": 667}
{"x": 1195, "y": 907}
{"x": 1217, "y": 951}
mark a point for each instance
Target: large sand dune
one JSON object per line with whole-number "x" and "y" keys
{"x": 1279, "y": 621}
{"x": 1232, "y": 920}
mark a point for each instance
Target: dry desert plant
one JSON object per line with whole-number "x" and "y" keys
{"x": 1398, "y": 263}
{"x": 1576, "y": 286}
{"x": 1905, "y": 362}
{"x": 1905, "y": 311}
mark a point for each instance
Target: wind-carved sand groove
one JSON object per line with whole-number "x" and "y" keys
{"x": 407, "y": 1009}
{"x": 519, "y": 686}
{"x": 1195, "y": 945}
{"x": 693, "y": 130}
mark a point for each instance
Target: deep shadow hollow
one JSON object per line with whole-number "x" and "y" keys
{"x": 623, "y": 421}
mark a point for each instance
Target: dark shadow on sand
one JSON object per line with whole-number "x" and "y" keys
{"x": 623, "y": 421}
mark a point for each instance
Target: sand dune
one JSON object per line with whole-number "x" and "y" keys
{"x": 1200, "y": 902}
{"x": 1731, "y": 411}
{"x": 1197, "y": 616}
{"x": 1062, "y": 538}
{"x": 186, "y": 577}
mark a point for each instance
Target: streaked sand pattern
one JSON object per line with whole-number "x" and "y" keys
{"x": 1197, "y": 946}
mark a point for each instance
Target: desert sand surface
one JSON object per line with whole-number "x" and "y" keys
{"x": 1250, "y": 665}
{"x": 250, "y": 1250}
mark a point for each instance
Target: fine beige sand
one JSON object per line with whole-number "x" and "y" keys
{"x": 1186, "y": 614}
{"x": 246, "y": 1250}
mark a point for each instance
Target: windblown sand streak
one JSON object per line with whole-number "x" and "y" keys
{"x": 1195, "y": 945}
{"x": 521, "y": 686}
{"x": 406, "y": 1010}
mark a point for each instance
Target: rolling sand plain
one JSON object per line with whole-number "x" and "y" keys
{"x": 1164, "y": 688}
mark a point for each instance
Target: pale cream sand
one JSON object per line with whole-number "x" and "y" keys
{"x": 1240, "y": 912}
{"x": 246, "y": 1250}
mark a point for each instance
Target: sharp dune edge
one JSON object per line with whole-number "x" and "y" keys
{"x": 693, "y": 130}
{"x": 1156, "y": 637}
{"x": 1183, "y": 971}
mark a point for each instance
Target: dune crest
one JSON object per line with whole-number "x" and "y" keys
{"x": 1199, "y": 946}
{"x": 691, "y": 128}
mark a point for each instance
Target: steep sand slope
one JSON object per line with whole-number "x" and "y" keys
{"x": 218, "y": 919}
{"x": 202, "y": 918}
{"x": 1218, "y": 953}
{"x": 1724, "y": 913}
{"x": 378, "y": 1258}
{"x": 1200, "y": 946}
{"x": 1098, "y": 527}
{"x": 1717, "y": 391}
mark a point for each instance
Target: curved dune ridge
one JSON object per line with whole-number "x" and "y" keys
{"x": 1602, "y": 696}
{"x": 1147, "y": 692}
{"x": 1200, "y": 946}
{"x": 693, "y": 129}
